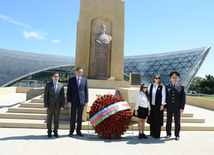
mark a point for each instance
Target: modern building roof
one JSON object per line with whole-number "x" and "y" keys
{"x": 16, "y": 65}
{"x": 186, "y": 62}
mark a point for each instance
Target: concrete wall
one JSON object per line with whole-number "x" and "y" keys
{"x": 130, "y": 95}
{"x": 23, "y": 89}
{"x": 200, "y": 102}
{"x": 12, "y": 90}
{"x": 105, "y": 84}
{"x": 7, "y": 90}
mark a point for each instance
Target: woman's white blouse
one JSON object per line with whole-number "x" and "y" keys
{"x": 154, "y": 90}
{"x": 142, "y": 101}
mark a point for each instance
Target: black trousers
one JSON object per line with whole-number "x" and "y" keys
{"x": 155, "y": 125}
{"x": 74, "y": 109}
{"x": 50, "y": 113}
{"x": 177, "y": 118}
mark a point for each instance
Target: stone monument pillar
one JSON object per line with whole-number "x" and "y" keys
{"x": 94, "y": 13}
{"x": 101, "y": 54}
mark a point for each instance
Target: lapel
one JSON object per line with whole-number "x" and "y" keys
{"x": 75, "y": 82}
{"x": 81, "y": 82}
{"x": 52, "y": 87}
{"x": 170, "y": 88}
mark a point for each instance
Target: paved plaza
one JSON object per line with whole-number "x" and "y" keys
{"x": 35, "y": 141}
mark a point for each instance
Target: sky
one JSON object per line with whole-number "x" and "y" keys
{"x": 151, "y": 26}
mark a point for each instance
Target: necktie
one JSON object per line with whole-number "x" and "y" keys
{"x": 78, "y": 82}
{"x": 55, "y": 87}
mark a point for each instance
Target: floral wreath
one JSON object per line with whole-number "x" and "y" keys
{"x": 110, "y": 116}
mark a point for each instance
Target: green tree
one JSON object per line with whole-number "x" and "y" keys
{"x": 207, "y": 85}
{"x": 196, "y": 84}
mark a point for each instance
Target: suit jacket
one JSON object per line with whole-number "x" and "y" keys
{"x": 75, "y": 94}
{"x": 175, "y": 97}
{"x": 51, "y": 99}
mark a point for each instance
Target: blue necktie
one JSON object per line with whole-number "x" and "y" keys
{"x": 55, "y": 87}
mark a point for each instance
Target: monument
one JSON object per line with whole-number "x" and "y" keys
{"x": 90, "y": 53}
{"x": 101, "y": 54}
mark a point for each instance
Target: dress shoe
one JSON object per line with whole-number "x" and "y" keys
{"x": 140, "y": 136}
{"x": 70, "y": 135}
{"x": 56, "y": 135}
{"x": 49, "y": 135}
{"x": 144, "y": 136}
{"x": 80, "y": 134}
{"x": 177, "y": 138}
{"x": 168, "y": 136}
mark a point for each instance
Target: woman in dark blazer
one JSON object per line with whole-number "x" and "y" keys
{"x": 157, "y": 95}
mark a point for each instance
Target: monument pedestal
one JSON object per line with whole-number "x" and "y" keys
{"x": 105, "y": 84}
{"x": 101, "y": 61}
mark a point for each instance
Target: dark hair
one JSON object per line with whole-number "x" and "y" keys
{"x": 78, "y": 68}
{"x": 159, "y": 83}
{"x": 146, "y": 92}
{"x": 55, "y": 73}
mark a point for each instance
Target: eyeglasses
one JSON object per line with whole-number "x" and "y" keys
{"x": 157, "y": 78}
{"x": 144, "y": 87}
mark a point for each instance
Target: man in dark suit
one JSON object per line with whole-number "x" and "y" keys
{"x": 77, "y": 96}
{"x": 175, "y": 99}
{"x": 54, "y": 101}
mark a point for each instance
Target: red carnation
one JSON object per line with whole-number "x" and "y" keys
{"x": 115, "y": 125}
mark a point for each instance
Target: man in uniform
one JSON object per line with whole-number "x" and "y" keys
{"x": 175, "y": 99}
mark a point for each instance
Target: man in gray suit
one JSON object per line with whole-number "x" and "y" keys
{"x": 54, "y": 101}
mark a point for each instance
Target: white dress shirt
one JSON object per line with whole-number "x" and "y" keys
{"x": 142, "y": 101}
{"x": 154, "y": 90}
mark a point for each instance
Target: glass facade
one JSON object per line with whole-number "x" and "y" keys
{"x": 16, "y": 65}
{"x": 186, "y": 62}
{"x": 24, "y": 69}
{"x": 41, "y": 78}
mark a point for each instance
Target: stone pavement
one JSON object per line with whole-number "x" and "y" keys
{"x": 15, "y": 141}
{"x": 35, "y": 141}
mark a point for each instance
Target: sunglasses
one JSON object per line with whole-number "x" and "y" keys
{"x": 157, "y": 78}
{"x": 144, "y": 87}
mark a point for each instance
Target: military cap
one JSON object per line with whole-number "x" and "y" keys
{"x": 174, "y": 74}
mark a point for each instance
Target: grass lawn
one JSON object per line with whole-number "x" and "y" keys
{"x": 207, "y": 97}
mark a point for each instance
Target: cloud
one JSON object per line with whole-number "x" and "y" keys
{"x": 13, "y": 21}
{"x": 56, "y": 41}
{"x": 37, "y": 35}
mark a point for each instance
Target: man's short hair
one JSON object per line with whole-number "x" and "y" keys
{"x": 78, "y": 68}
{"x": 55, "y": 73}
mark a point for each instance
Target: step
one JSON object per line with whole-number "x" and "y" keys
{"x": 30, "y": 116}
{"x": 182, "y": 115}
{"x": 33, "y": 110}
{"x": 66, "y": 117}
{"x": 40, "y": 100}
{"x": 41, "y": 124}
{"x": 42, "y": 96}
{"x": 36, "y": 105}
